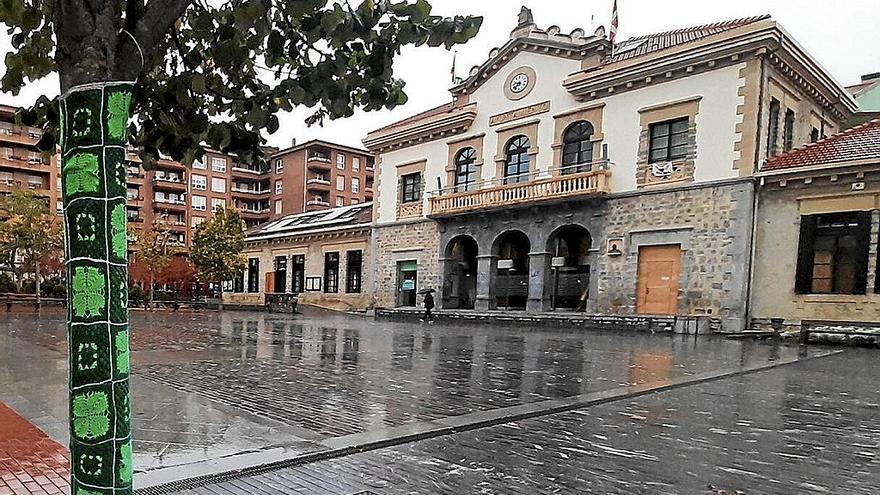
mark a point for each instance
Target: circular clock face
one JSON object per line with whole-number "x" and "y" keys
{"x": 519, "y": 83}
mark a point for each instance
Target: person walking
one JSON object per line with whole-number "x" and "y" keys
{"x": 429, "y": 305}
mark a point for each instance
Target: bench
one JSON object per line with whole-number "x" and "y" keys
{"x": 846, "y": 328}
{"x": 10, "y": 298}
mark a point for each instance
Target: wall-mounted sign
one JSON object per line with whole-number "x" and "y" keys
{"x": 520, "y": 113}
{"x": 408, "y": 284}
{"x": 505, "y": 264}
{"x": 615, "y": 246}
{"x": 557, "y": 261}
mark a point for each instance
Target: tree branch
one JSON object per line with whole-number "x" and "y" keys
{"x": 158, "y": 17}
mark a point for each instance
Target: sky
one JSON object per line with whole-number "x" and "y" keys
{"x": 841, "y": 35}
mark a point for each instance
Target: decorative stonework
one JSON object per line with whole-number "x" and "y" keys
{"x": 409, "y": 210}
{"x": 519, "y": 113}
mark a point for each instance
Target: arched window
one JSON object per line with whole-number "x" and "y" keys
{"x": 517, "y": 164}
{"x": 577, "y": 148}
{"x": 466, "y": 170}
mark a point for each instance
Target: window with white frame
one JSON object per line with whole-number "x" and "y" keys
{"x": 340, "y": 161}
{"x": 199, "y": 182}
{"x": 279, "y": 187}
{"x": 34, "y": 157}
{"x": 6, "y": 152}
{"x": 340, "y": 201}
{"x": 196, "y": 221}
{"x": 200, "y": 164}
{"x": 131, "y": 193}
{"x": 355, "y": 184}
{"x": 217, "y": 203}
{"x": 278, "y": 207}
{"x": 218, "y": 185}
{"x": 6, "y": 177}
{"x": 218, "y": 164}
{"x": 340, "y": 183}
{"x": 279, "y": 165}
{"x": 356, "y": 163}
{"x": 199, "y": 203}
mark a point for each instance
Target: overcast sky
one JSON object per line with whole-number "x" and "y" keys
{"x": 842, "y": 35}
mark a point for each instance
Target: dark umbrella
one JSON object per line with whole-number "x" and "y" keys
{"x": 426, "y": 291}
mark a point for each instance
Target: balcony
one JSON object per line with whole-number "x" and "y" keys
{"x": 249, "y": 192}
{"x": 540, "y": 187}
{"x": 316, "y": 204}
{"x": 169, "y": 183}
{"x": 169, "y": 204}
{"x": 174, "y": 226}
{"x": 318, "y": 184}
{"x": 319, "y": 162}
{"x": 134, "y": 201}
{"x": 254, "y": 214}
{"x": 241, "y": 170}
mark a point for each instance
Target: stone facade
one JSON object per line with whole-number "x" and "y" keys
{"x": 399, "y": 242}
{"x": 712, "y": 223}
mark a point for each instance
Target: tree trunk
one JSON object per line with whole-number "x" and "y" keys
{"x": 94, "y": 175}
{"x": 150, "y": 292}
{"x": 37, "y": 284}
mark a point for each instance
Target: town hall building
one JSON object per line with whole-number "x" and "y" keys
{"x": 572, "y": 173}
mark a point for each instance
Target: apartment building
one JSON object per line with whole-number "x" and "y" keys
{"x": 612, "y": 178}
{"x": 317, "y": 175}
{"x": 180, "y": 198}
{"x": 21, "y": 163}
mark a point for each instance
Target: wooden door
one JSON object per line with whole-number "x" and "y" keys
{"x": 658, "y": 279}
{"x": 270, "y": 283}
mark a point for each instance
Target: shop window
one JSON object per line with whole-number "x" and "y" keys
{"x": 353, "y": 267}
{"x": 833, "y": 253}
{"x": 253, "y": 275}
{"x": 331, "y": 273}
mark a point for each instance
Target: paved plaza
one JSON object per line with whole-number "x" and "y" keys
{"x": 464, "y": 409}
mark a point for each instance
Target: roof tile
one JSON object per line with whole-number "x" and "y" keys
{"x": 858, "y": 143}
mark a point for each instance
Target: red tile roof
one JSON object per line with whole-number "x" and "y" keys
{"x": 858, "y": 143}
{"x": 446, "y": 107}
{"x": 642, "y": 45}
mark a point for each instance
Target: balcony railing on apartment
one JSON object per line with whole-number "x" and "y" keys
{"x": 546, "y": 185}
{"x": 245, "y": 190}
{"x": 247, "y": 170}
{"x": 317, "y": 202}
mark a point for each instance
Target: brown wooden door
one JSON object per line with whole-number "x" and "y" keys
{"x": 270, "y": 283}
{"x": 659, "y": 272}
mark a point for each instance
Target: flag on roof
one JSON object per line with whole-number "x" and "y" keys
{"x": 612, "y": 34}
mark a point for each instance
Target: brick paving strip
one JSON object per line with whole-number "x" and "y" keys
{"x": 173, "y": 479}
{"x": 31, "y": 463}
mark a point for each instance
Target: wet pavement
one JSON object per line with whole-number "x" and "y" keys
{"x": 30, "y": 462}
{"x": 258, "y": 388}
{"x": 811, "y": 427}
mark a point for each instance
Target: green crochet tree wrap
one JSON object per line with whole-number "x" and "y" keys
{"x": 94, "y": 122}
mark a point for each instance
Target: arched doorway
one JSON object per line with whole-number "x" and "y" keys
{"x": 460, "y": 277}
{"x": 569, "y": 249}
{"x": 512, "y": 271}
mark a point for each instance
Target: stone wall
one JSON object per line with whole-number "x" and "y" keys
{"x": 712, "y": 224}
{"x": 406, "y": 241}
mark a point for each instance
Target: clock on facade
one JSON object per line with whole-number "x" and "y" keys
{"x": 519, "y": 83}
